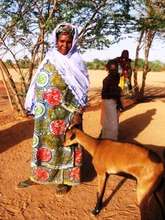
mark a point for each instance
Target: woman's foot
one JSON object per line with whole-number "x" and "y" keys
{"x": 26, "y": 183}
{"x": 62, "y": 189}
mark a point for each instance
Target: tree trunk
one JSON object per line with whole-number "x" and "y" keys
{"x": 149, "y": 36}
{"x": 7, "y": 90}
{"x": 13, "y": 89}
{"x": 135, "y": 69}
{"x": 35, "y": 50}
{"x": 17, "y": 68}
{"x": 31, "y": 68}
{"x": 43, "y": 45}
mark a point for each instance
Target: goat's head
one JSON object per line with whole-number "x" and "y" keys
{"x": 70, "y": 137}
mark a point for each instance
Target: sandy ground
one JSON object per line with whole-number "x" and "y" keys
{"x": 142, "y": 123}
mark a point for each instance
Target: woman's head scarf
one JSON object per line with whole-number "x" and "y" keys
{"x": 69, "y": 29}
{"x": 70, "y": 66}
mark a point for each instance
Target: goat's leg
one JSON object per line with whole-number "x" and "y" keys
{"x": 144, "y": 188}
{"x": 100, "y": 193}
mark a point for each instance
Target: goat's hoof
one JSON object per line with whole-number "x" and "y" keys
{"x": 95, "y": 211}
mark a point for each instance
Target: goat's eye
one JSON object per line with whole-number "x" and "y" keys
{"x": 73, "y": 136}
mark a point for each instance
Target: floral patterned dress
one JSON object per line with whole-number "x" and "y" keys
{"x": 55, "y": 104}
{"x": 125, "y": 78}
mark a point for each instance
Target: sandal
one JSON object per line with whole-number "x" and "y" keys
{"x": 25, "y": 183}
{"x": 62, "y": 189}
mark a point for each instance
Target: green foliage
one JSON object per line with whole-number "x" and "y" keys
{"x": 24, "y": 63}
{"x": 96, "y": 64}
{"x": 150, "y": 15}
{"x": 101, "y": 22}
{"x": 8, "y": 63}
{"x": 140, "y": 64}
{"x": 153, "y": 65}
{"x": 157, "y": 66}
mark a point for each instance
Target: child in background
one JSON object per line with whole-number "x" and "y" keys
{"x": 126, "y": 72}
{"x": 111, "y": 102}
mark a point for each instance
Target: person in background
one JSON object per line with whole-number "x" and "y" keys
{"x": 126, "y": 72}
{"x": 111, "y": 102}
{"x": 57, "y": 97}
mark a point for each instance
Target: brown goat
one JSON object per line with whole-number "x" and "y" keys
{"x": 113, "y": 157}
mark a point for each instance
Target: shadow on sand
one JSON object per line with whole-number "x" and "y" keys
{"x": 88, "y": 171}
{"x": 155, "y": 209}
{"x": 15, "y": 134}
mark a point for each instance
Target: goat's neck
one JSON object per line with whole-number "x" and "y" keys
{"x": 88, "y": 142}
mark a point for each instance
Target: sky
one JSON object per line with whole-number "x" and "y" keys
{"x": 157, "y": 51}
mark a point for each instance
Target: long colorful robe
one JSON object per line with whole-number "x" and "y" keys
{"x": 125, "y": 78}
{"x": 55, "y": 104}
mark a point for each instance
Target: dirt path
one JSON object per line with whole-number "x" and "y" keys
{"x": 144, "y": 123}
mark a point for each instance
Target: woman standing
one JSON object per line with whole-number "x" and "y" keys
{"x": 126, "y": 72}
{"x": 56, "y": 97}
{"x": 111, "y": 102}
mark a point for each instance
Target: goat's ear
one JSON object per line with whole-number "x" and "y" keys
{"x": 72, "y": 136}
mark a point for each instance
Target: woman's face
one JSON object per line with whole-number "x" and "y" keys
{"x": 64, "y": 43}
{"x": 125, "y": 54}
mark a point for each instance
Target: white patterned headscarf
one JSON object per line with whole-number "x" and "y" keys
{"x": 70, "y": 66}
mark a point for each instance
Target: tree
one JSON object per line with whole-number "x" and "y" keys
{"x": 150, "y": 25}
{"x": 26, "y": 25}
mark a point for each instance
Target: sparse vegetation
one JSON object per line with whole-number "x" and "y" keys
{"x": 153, "y": 65}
